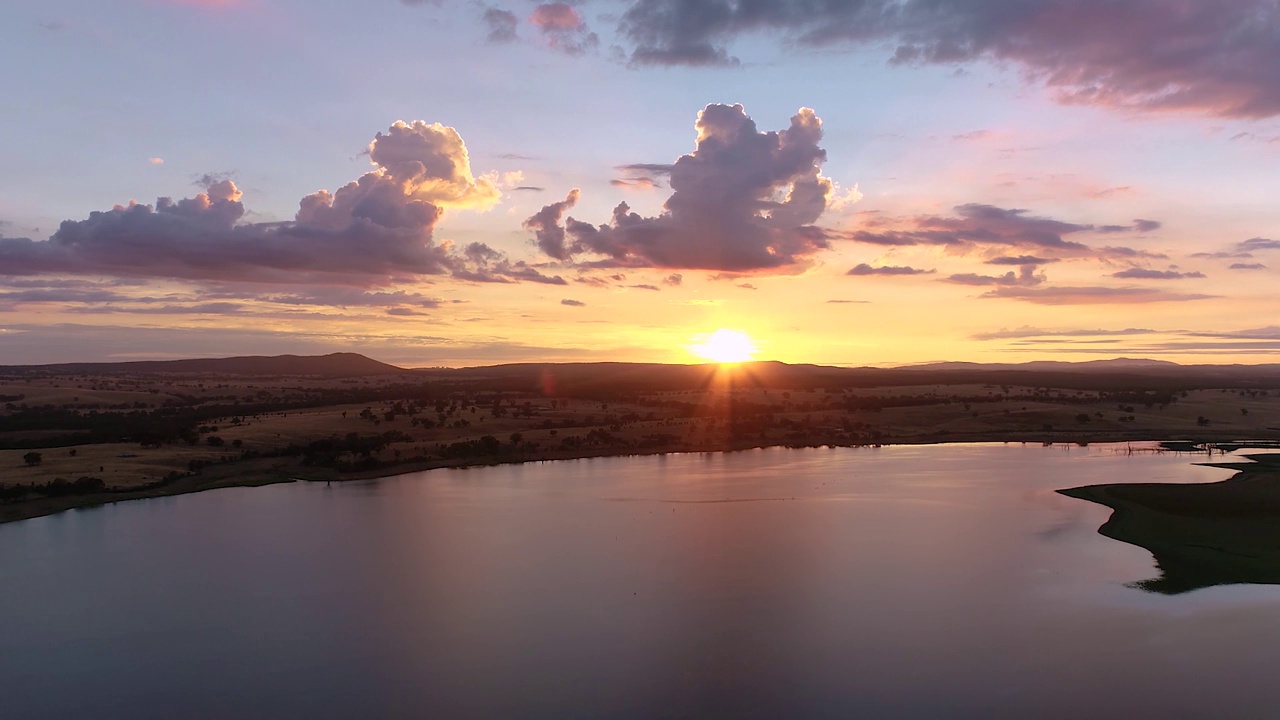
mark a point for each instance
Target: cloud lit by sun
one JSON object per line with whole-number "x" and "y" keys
{"x": 724, "y": 346}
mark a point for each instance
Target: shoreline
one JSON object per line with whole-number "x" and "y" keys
{"x": 271, "y": 471}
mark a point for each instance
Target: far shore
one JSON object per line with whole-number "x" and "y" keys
{"x": 269, "y": 471}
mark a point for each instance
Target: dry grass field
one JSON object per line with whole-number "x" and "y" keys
{"x": 160, "y": 433}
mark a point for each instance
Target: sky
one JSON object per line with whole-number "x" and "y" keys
{"x": 458, "y": 183}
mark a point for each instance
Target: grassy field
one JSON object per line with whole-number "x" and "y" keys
{"x": 140, "y": 434}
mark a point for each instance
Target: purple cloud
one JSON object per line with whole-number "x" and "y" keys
{"x": 1025, "y": 277}
{"x": 563, "y": 29}
{"x": 1218, "y": 57}
{"x": 1146, "y": 274}
{"x": 865, "y": 269}
{"x": 976, "y": 225}
{"x": 370, "y": 231}
{"x": 725, "y": 211}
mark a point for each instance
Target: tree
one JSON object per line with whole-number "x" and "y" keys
{"x": 32, "y": 458}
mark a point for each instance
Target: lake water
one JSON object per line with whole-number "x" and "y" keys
{"x": 941, "y": 581}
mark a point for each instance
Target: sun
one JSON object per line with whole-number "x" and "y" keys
{"x": 724, "y": 346}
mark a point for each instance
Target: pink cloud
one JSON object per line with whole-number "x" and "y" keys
{"x": 556, "y": 16}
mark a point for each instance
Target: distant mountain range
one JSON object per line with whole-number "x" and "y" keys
{"x": 571, "y": 377}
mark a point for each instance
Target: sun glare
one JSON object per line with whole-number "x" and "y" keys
{"x": 725, "y": 346}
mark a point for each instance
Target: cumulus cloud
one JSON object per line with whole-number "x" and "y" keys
{"x": 1247, "y": 266}
{"x": 865, "y": 269}
{"x": 373, "y": 229}
{"x": 1217, "y": 58}
{"x": 742, "y": 201}
{"x": 1147, "y": 274}
{"x": 563, "y": 29}
{"x": 674, "y": 280}
{"x": 573, "y": 303}
{"x": 548, "y": 232}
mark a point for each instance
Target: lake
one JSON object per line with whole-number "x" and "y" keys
{"x": 908, "y": 581}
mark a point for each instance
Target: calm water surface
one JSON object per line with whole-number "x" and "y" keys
{"x": 944, "y": 581}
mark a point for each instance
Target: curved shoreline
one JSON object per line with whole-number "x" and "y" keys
{"x": 1200, "y": 534}
{"x": 269, "y": 471}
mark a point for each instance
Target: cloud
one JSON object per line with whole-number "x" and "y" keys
{"x": 1031, "y": 339}
{"x": 527, "y": 188}
{"x": 848, "y": 302}
{"x": 563, "y": 29}
{"x": 1258, "y": 243}
{"x": 645, "y": 286}
{"x": 742, "y": 201}
{"x": 977, "y": 225}
{"x": 1252, "y": 137}
{"x": 1146, "y": 274}
{"x": 674, "y": 280}
{"x": 573, "y": 303}
{"x": 865, "y": 269}
{"x": 501, "y": 25}
{"x": 648, "y": 168}
{"x": 483, "y": 264}
{"x": 213, "y": 308}
{"x": 1027, "y": 331}
{"x": 1222, "y": 255}
{"x": 1025, "y": 277}
{"x": 1215, "y": 58}
{"x": 156, "y": 160}
{"x": 1247, "y": 266}
{"x": 547, "y": 230}
{"x": 369, "y": 231}
{"x": 747, "y": 286}
{"x": 1020, "y": 260}
{"x": 640, "y": 183}
{"x": 1090, "y": 295}
{"x": 61, "y": 295}
{"x": 351, "y": 297}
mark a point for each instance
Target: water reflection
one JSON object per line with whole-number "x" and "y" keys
{"x": 948, "y": 581}
{"x": 1201, "y": 535}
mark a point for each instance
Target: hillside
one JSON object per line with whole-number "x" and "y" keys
{"x": 332, "y": 365}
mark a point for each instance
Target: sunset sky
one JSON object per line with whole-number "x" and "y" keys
{"x": 869, "y": 182}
